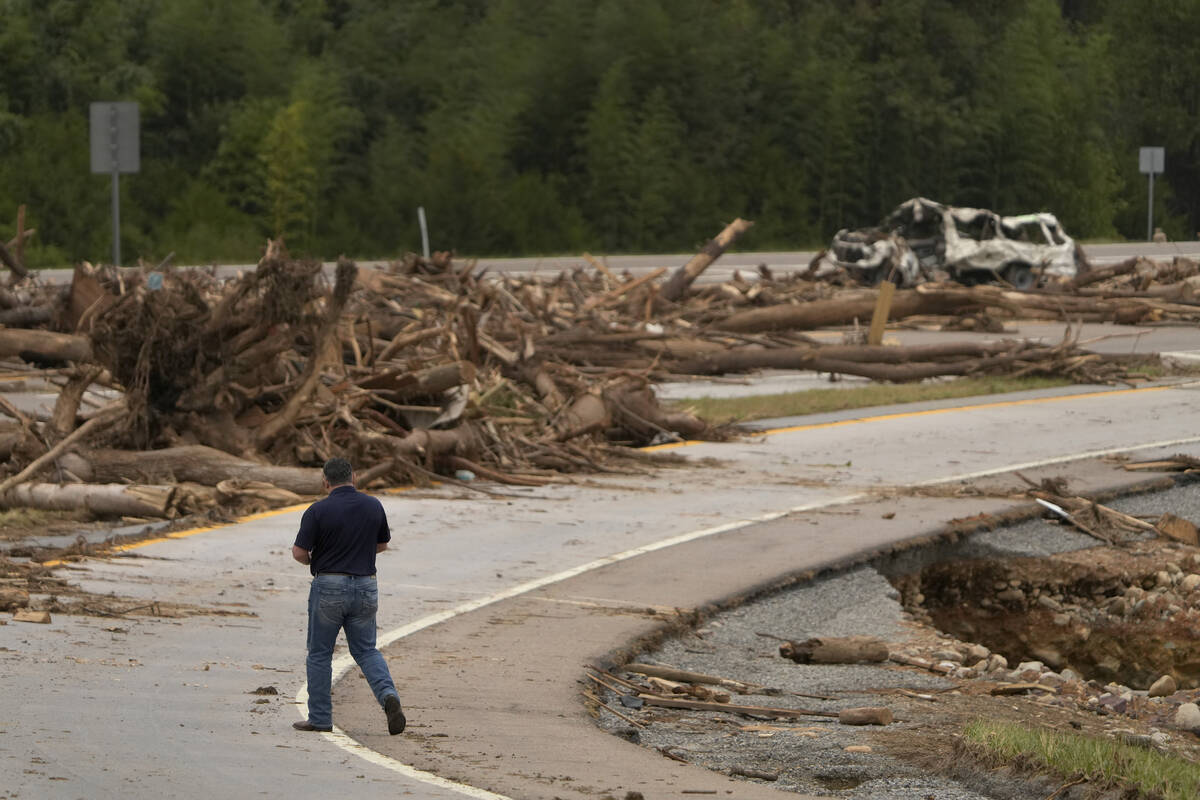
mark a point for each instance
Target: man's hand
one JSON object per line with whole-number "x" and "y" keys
{"x": 301, "y": 555}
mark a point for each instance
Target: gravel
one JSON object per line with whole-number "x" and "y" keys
{"x": 809, "y": 755}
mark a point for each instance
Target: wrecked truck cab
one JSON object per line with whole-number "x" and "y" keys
{"x": 867, "y": 256}
{"x": 975, "y": 245}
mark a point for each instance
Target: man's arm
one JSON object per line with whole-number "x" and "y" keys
{"x": 380, "y": 547}
{"x": 301, "y": 555}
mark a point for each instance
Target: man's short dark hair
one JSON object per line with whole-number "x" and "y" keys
{"x": 337, "y": 471}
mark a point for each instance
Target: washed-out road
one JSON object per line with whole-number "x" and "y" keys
{"x": 158, "y": 707}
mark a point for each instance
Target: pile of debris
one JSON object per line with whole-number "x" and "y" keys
{"x": 222, "y": 393}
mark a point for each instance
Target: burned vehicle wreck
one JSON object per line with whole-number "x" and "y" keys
{"x": 925, "y": 240}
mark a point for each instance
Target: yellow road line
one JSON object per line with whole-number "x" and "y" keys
{"x": 926, "y": 412}
{"x": 166, "y": 537}
{"x": 770, "y": 432}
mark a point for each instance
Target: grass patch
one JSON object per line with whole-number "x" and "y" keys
{"x": 818, "y": 401}
{"x": 1151, "y": 773}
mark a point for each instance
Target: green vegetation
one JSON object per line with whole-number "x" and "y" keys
{"x": 538, "y": 126}
{"x": 1070, "y": 755}
{"x": 818, "y": 401}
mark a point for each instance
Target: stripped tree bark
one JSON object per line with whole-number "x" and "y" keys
{"x": 683, "y": 277}
{"x": 113, "y": 499}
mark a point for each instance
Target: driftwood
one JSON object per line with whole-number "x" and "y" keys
{"x": 732, "y": 708}
{"x": 683, "y": 277}
{"x": 835, "y": 650}
{"x": 196, "y": 463}
{"x": 670, "y": 673}
{"x": 44, "y": 345}
{"x": 11, "y": 262}
{"x": 107, "y": 416}
{"x": 866, "y": 715}
{"x": 106, "y": 499}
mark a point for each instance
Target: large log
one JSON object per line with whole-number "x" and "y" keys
{"x": 111, "y": 499}
{"x": 840, "y": 311}
{"x": 44, "y": 345}
{"x": 11, "y": 262}
{"x": 836, "y": 650}
{"x": 683, "y": 277}
{"x": 868, "y": 360}
{"x": 196, "y": 463}
{"x": 26, "y": 317}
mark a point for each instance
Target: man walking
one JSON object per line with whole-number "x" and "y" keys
{"x": 339, "y": 538}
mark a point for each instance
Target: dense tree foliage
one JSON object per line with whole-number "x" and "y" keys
{"x": 535, "y": 126}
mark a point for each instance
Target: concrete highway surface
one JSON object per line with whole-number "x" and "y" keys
{"x": 746, "y": 263}
{"x": 155, "y": 707}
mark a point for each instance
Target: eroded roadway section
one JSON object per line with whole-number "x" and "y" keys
{"x": 493, "y": 606}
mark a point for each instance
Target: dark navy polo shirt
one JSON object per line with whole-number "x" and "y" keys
{"x": 341, "y": 532}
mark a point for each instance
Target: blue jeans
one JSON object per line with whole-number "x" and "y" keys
{"x": 336, "y": 602}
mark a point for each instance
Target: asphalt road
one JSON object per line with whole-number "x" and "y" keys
{"x": 157, "y": 707}
{"x": 747, "y": 263}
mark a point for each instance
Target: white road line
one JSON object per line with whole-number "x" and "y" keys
{"x": 342, "y": 664}
{"x": 1045, "y": 462}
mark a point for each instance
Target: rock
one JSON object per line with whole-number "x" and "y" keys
{"x": 1069, "y": 674}
{"x": 1011, "y": 596}
{"x": 1173, "y": 568}
{"x": 1062, "y": 620}
{"x": 12, "y": 597}
{"x": 976, "y": 653}
{"x": 966, "y": 673}
{"x": 1036, "y": 666}
{"x": 1051, "y": 679}
{"x": 1109, "y": 665}
{"x": 1160, "y": 739}
{"x": 26, "y": 615}
{"x": 1050, "y": 657}
{"x": 1189, "y": 583}
{"x": 1187, "y": 717}
{"x": 1134, "y": 593}
{"x": 1113, "y": 704}
{"x": 1163, "y": 687}
{"x": 866, "y": 715}
{"x": 859, "y": 748}
{"x": 1046, "y": 601}
{"x": 948, "y": 655}
{"x": 1162, "y": 579}
{"x": 996, "y": 661}
{"x": 1118, "y": 606}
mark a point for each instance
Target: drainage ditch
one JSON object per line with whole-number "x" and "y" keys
{"x": 1037, "y": 603}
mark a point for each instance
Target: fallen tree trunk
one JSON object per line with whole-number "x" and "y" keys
{"x": 683, "y": 277}
{"x": 11, "y": 262}
{"x": 26, "y": 317}
{"x": 195, "y": 463}
{"x": 840, "y": 311}
{"x": 111, "y": 499}
{"x": 805, "y": 357}
{"x": 105, "y": 417}
{"x": 44, "y": 345}
{"x": 1103, "y": 274}
{"x": 835, "y": 650}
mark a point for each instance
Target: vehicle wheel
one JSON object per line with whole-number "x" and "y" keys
{"x": 1019, "y": 275}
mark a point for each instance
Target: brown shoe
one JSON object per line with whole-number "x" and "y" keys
{"x": 305, "y": 725}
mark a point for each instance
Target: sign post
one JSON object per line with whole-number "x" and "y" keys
{"x": 115, "y": 149}
{"x": 1150, "y": 162}
{"x": 424, "y": 231}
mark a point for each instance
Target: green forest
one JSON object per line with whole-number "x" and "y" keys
{"x": 529, "y": 127}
